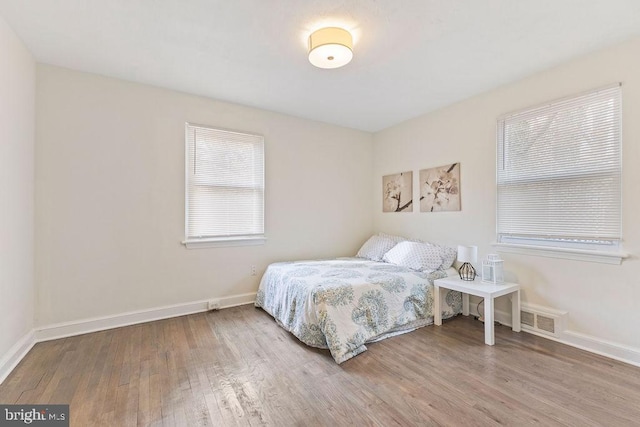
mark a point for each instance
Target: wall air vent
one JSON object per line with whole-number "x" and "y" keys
{"x": 547, "y": 324}
{"x": 542, "y": 320}
{"x": 527, "y": 318}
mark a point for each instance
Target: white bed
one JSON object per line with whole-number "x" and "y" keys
{"x": 341, "y": 304}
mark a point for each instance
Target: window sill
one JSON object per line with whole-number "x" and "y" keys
{"x": 222, "y": 242}
{"x": 563, "y": 253}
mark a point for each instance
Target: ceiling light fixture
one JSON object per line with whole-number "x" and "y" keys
{"x": 330, "y": 47}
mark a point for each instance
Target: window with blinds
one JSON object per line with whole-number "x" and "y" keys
{"x": 559, "y": 173}
{"x": 224, "y": 185}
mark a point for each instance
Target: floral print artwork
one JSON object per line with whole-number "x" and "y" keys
{"x": 440, "y": 188}
{"x": 343, "y": 304}
{"x": 397, "y": 192}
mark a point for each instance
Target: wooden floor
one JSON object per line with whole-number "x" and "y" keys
{"x": 237, "y": 367}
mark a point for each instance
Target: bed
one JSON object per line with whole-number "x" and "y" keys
{"x": 342, "y": 304}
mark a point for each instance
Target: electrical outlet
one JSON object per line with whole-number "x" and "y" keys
{"x": 253, "y": 270}
{"x": 214, "y": 304}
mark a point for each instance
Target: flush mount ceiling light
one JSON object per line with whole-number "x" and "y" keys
{"x": 330, "y": 47}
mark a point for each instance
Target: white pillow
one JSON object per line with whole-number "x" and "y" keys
{"x": 414, "y": 255}
{"x": 449, "y": 255}
{"x": 375, "y": 248}
{"x": 396, "y": 239}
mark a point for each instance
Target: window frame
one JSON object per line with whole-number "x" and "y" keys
{"x": 193, "y": 242}
{"x": 557, "y": 248}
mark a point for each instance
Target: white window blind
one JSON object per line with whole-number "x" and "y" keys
{"x": 224, "y": 185}
{"x": 559, "y": 173}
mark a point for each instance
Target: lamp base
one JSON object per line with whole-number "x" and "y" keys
{"x": 467, "y": 272}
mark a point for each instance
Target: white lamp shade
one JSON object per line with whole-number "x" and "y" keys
{"x": 467, "y": 253}
{"x": 330, "y": 47}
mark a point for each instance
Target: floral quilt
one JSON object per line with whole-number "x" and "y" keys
{"x": 342, "y": 304}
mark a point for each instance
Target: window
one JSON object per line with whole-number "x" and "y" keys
{"x": 224, "y": 187}
{"x": 559, "y": 174}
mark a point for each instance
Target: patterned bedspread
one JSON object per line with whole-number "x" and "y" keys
{"x": 342, "y": 304}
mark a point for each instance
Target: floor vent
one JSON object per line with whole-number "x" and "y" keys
{"x": 547, "y": 324}
{"x": 527, "y": 318}
{"x": 542, "y": 319}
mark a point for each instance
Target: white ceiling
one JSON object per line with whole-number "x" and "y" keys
{"x": 410, "y": 56}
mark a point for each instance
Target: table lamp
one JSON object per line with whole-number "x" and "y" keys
{"x": 467, "y": 255}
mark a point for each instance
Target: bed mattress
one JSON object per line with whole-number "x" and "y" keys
{"x": 341, "y": 304}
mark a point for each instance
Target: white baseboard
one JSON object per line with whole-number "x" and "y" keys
{"x": 61, "y": 330}
{"x": 78, "y": 327}
{"x": 585, "y": 342}
{"x": 502, "y": 317}
{"x": 85, "y": 326}
{"x": 602, "y": 347}
{"x": 15, "y": 354}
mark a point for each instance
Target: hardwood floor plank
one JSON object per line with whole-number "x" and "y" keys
{"x": 238, "y": 367}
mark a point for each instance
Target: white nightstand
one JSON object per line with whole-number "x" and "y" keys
{"x": 484, "y": 290}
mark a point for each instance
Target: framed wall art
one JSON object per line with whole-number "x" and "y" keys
{"x": 440, "y": 188}
{"x": 397, "y": 192}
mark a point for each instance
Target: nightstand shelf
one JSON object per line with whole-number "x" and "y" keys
{"x": 487, "y": 291}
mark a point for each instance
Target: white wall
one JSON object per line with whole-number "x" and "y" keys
{"x": 602, "y": 300}
{"x": 110, "y": 196}
{"x": 17, "y": 117}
